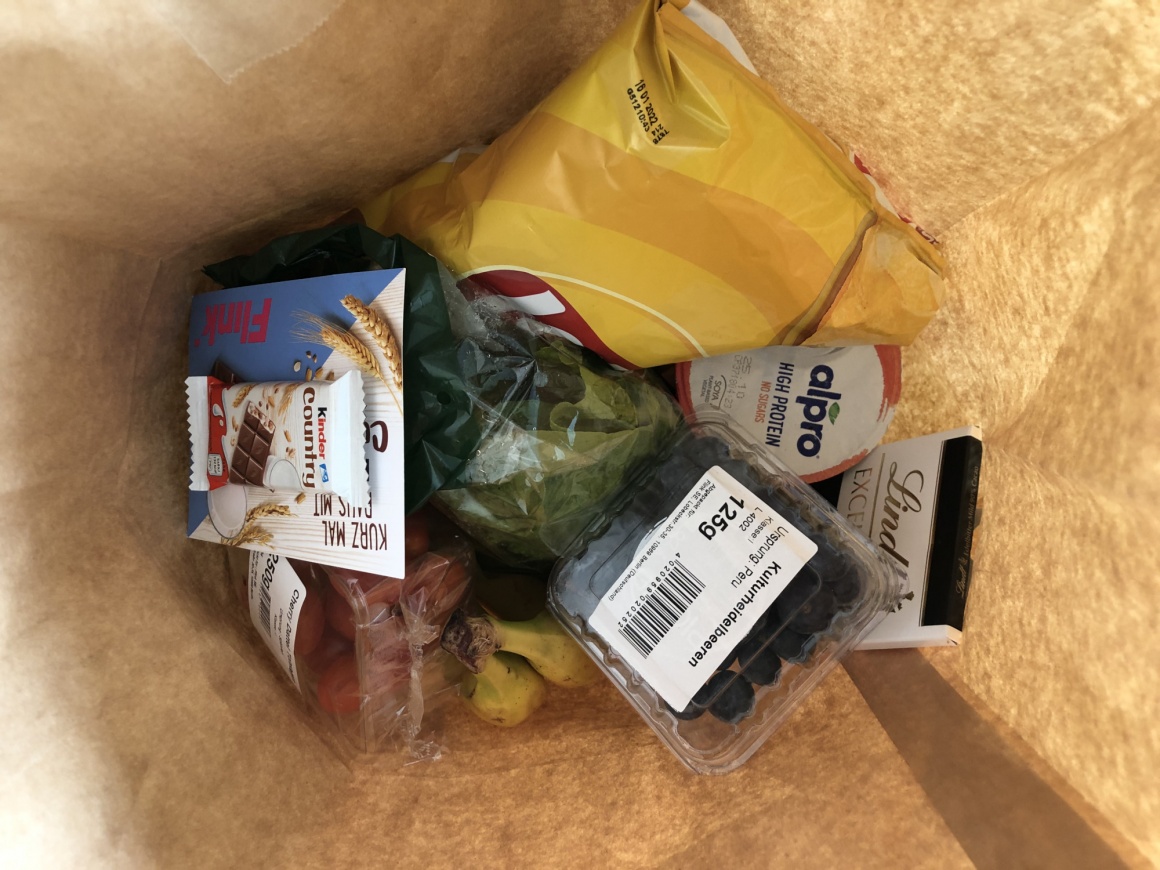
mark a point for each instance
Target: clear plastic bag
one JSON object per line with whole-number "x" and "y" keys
{"x": 561, "y": 431}
{"x": 366, "y": 654}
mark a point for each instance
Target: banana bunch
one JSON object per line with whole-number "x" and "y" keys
{"x": 508, "y": 663}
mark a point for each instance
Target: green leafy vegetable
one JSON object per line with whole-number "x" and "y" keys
{"x": 564, "y": 432}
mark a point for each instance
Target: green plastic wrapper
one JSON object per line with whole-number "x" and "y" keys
{"x": 563, "y": 433}
{"x": 527, "y": 436}
{"x": 441, "y": 431}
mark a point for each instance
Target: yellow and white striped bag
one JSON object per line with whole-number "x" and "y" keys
{"x": 662, "y": 204}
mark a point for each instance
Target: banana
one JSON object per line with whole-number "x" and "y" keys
{"x": 505, "y": 692}
{"x": 541, "y": 640}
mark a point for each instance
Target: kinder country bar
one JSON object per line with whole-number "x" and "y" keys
{"x": 297, "y": 436}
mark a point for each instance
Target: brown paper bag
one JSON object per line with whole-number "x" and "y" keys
{"x": 143, "y": 725}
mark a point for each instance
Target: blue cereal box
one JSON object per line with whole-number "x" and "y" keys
{"x": 315, "y": 329}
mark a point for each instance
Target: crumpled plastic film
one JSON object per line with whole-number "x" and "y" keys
{"x": 231, "y": 36}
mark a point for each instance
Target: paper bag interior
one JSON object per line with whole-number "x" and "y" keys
{"x": 143, "y": 724}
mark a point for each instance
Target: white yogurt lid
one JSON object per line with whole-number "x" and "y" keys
{"x": 818, "y": 409}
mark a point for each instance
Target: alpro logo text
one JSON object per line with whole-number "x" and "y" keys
{"x": 819, "y": 403}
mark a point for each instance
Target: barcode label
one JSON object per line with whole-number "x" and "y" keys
{"x": 264, "y": 610}
{"x": 697, "y": 584}
{"x": 276, "y": 598}
{"x": 659, "y": 611}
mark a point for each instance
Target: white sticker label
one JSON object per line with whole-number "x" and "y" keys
{"x": 276, "y": 596}
{"x": 698, "y": 585}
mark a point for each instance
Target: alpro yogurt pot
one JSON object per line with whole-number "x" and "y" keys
{"x": 819, "y": 410}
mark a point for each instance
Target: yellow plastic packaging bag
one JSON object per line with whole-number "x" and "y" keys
{"x": 662, "y": 204}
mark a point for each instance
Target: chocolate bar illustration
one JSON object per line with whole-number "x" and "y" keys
{"x": 252, "y": 453}
{"x": 224, "y": 373}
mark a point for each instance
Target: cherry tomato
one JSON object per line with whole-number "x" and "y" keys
{"x": 330, "y": 646}
{"x": 416, "y": 537}
{"x": 338, "y": 688}
{"x": 339, "y": 614}
{"x": 423, "y": 575}
{"x": 435, "y": 584}
{"x": 311, "y": 619}
{"x": 449, "y": 592}
{"x": 387, "y": 665}
{"x": 384, "y": 591}
{"x": 375, "y": 588}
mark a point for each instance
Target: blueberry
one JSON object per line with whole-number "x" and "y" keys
{"x": 727, "y": 695}
{"x": 805, "y": 605}
{"x": 792, "y": 646}
{"x": 739, "y": 471}
{"x": 605, "y": 568}
{"x": 779, "y": 502}
{"x": 576, "y": 587}
{"x": 680, "y": 476}
{"x": 708, "y": 450}
{"x": 585, "y": 578}
{"x": 840, "y": 572}
{"x": 661, "y": 495}
{"x": 732, "y": 694}
{"x": 758, "y": 662}
{"x": 845, "y": 582}
{"x": 700, "y": 701}
{"x": 799, "y": 590}
{"x": 816, "y": 614}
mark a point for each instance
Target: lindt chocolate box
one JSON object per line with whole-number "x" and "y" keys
{"x": 918, "y": 501}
